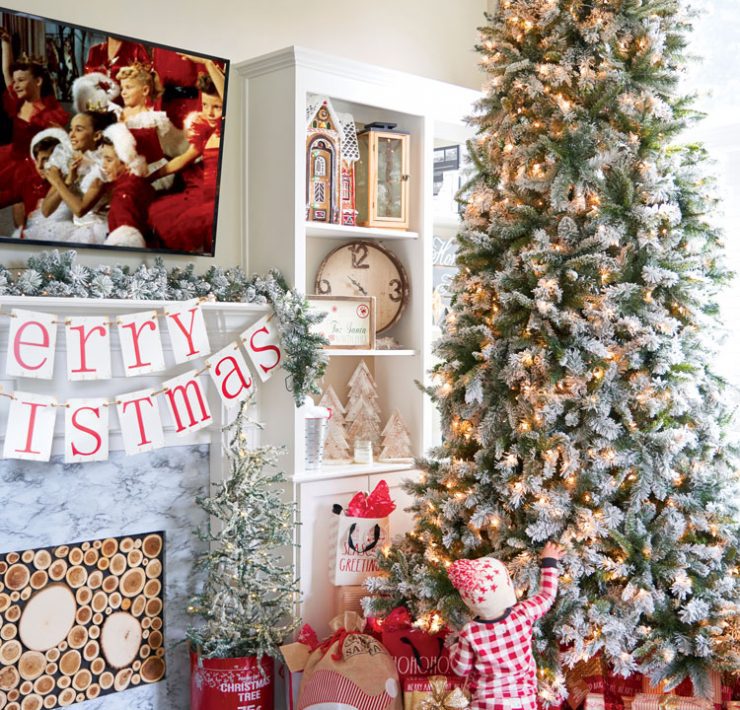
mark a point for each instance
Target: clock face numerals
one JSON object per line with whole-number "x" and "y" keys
{"x": 366, "y": 269}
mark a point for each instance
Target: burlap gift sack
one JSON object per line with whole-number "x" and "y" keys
{"x": 348, "y": 671}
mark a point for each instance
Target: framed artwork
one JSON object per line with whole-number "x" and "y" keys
{"x": 81, "y": 620}
{"x": 107, "y": 141}
{"x": 349, "y": 321}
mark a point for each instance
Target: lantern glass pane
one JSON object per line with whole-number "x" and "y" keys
{"x": 390, "y": 176}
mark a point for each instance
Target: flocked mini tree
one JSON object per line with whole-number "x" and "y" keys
{"x": 576, "y": 396}
{"x": 248, "y": 597}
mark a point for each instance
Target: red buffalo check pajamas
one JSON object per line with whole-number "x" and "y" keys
{"x": 497, "y": 654}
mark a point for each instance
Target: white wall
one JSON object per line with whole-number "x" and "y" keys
{"x": 432, "y": 38}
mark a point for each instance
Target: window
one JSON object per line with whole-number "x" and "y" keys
{"x": 319, "y": 166}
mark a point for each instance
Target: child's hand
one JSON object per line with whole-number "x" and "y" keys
{"x": 552, "y": 549}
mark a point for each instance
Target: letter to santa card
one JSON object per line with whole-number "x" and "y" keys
{"x": 229, "y": 371}
{"x": 31, "y": 344}
{"x": 30, "y": 429}
{"x": 262, "y": 342}
{"x": 88, "y": 348}
{"x": 141, "y": 425}
{"x": 141, "y": 345}
{"x": 85, "y": 430}
{"x": 187, "y": 329}
{"x": 187, "y": 402}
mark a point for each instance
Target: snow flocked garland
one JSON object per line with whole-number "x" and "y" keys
{"x": 58, "y": 274}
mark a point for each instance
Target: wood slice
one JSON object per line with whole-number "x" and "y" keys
{"x": 136, "y": 665}
{"x": 70, "y": 663}
{"x": 103, "y": 563}
{"x": 77, "y": 637}
{"x": 82, "y": 679}
{"x": 12, "y": 557}
{"x": 126, "y": 604}
{"x": 159, "y": 652}
{"x": 25, "y": 687}
{"x": 10, "y": 652}
{"x": 153, "y": 569}
{"x": 152, "y": 545}
{"x": 153, "y": 669}
{"x": 67, "y": 697}
{"x": 157, "y": 624}
{"x": 32, "y": 702}
{"x": 118, "y": 564}
{"x": 146, "y": 622}
{"x": 44, "y": 685}
{"x": 127, "y": 544}
{"x": 27, "y": 556}
{"x": 3, "y": 566}
{"x": 137, "y": 608}
{"x": 9, "y": 631}
{"x": 154, "y": 607}
{"x": 110, "y": 584}
{"x": 76, "y": 576}
{"x": 17, "y": 577}
{"x": 155, "y": 639}
{"x": 97, "y": 666}
{"x": 47, "y": 618}
{"x": 39, "y": 579}
{"x": 75, "y": 556}
{"x": 64, "y": 682}
{"x": 14, "y": 613}
{"x": 84, "y": 614}
{"x": 95, "y": 579}
{"x": 109, "y": 547}
{"x": 12, "y": 706}
{"x": 135, "y": 679}
{"x": 9, "y": 678}
{"x": 85, "y": 546}
{"x": 98, "y": 618}
{"x": 133, "y": 582}
{"x": 31, "y": 665}
{"x": 99, "y": 601}
{"x": 145, "y": 634}
{"x": 120, "y": 639}
{"x": 123, "y": 678}
{"x": 97, "y": 544}
{"x": 91, "y": 557}
{"x": 4, "y": 602}
{"x": 26, "y": 594}
{"x": 62, "y": 646}
{"x": 134, "y": 558}
{"x": 145, "y": 651}
{"x": 92, "y": 650}
{"x": 83, "y": 595}
{"x": 58, "y": 569}
{"x": 152, "y": 588}
{"x": 14, "y": 694}
{"x": 50, "y": 701}
{"x": 53, "y": 655}
{"x": 94, "y": 632}
{"x": 61, "y": 551}
{"x": 114, "y": 600}
{"x": 106, "y": 680}
{"x": 42, "y": 559}
{"x": 93, "y": 691}
{"x": 3, "y": 699}
{"x": 51, "y": 669}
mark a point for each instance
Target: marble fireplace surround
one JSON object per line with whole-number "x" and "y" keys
{"x": 55, "y": 503}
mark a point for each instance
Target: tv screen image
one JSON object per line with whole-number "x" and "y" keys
{"x": 107, "y": 141}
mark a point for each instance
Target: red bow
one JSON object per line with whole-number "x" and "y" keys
{"x": 397, "y": 620}
{"x": 308, "y": 637}
{"x": 376, "y": 505}
{"x": 338, "y": 637}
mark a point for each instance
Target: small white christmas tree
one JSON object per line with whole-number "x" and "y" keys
{"x": 336, "y": 447}
{"x": 362, "y": 420}
{"x": 396, "y": 439}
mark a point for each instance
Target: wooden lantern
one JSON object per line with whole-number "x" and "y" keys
{"x": 382, "y": 177}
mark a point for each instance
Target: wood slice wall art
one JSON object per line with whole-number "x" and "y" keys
{"x": 81, "y": 620}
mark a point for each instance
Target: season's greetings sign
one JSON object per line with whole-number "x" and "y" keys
{"x": 31, "y": 353}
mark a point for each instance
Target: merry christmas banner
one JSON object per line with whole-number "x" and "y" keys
{"x": 182, "y": 399}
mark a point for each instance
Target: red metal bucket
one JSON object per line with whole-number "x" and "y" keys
{"x": 231, "y": 683}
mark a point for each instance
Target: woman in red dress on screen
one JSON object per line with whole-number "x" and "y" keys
{"x": 110, "y": 56}
{"x": 157, "y": 139}
{"x": 184, "y": 221}
{"x": 30, "y": 102}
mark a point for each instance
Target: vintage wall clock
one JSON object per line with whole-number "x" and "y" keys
{"x": 362, "y": 268}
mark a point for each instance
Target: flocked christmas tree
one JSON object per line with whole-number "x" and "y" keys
{"x": 336, "y": 447}
{"x": 249, "y": 592}
{"x": 362, "y": 420}
{"x": 396, "y": 442}
{"x": 575, "y": 392}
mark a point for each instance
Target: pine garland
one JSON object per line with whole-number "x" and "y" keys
{"x": 58, "y": 274}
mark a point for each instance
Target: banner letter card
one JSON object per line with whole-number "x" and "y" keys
{"x": 31, "y": 343}
{"x": 262, "y": 342}
{"x": 85, "y": 430}
{"x": 188, "y": 403}
{"x": 30, "y": 429}
{"x": 141, "y": 424}
{"x": 88, "y": 348}
{"x": 229, "y": 371}
{"x": 187, "y": 328}
{"x": 141, "y": 344}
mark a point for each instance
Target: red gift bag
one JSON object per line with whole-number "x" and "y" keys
{"x": 231, "y": 683}
{"x": 417, "y": 652}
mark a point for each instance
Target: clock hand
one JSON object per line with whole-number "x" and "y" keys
{"x": 358, "y": 284}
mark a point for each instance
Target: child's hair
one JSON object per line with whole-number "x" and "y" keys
{"x": 38, "y": 71}
{"x": 100, "y": 120}
{"x": 145, "y": 74}
{"x": 44, "y": 144}
{"x": 205, "y": 85}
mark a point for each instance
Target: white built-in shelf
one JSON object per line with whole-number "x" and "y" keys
{"x": 337, "y": 352}
{"x": 340, "y": 231}
{"x": 340, "y": 470}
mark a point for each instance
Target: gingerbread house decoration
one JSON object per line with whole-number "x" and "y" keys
{"x": 331, "y": 153}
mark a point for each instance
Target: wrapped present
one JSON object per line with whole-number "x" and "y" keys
{"x": 584, "y": 678}
{"x": 594, "y": 701}
{"x": 350, "y": 670}
{"x": 686, "y": 688}
{"x": 415, "y": 652}
{"x": 349, "y": 599}
{"x": 670, "y": 701}
{"x": 435, "y": 692}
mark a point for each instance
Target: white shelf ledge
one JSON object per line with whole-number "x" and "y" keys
{"x": 340, "y": 231}
{"x": 340, "y": 470}
{"x": 336, "y": 352}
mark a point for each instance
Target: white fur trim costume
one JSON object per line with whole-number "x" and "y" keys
{"x": 125, "y": 236}
{"x": 94, "y": 90}
{"x": 62, "y": 153}
{"x": 125, "y": 146}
